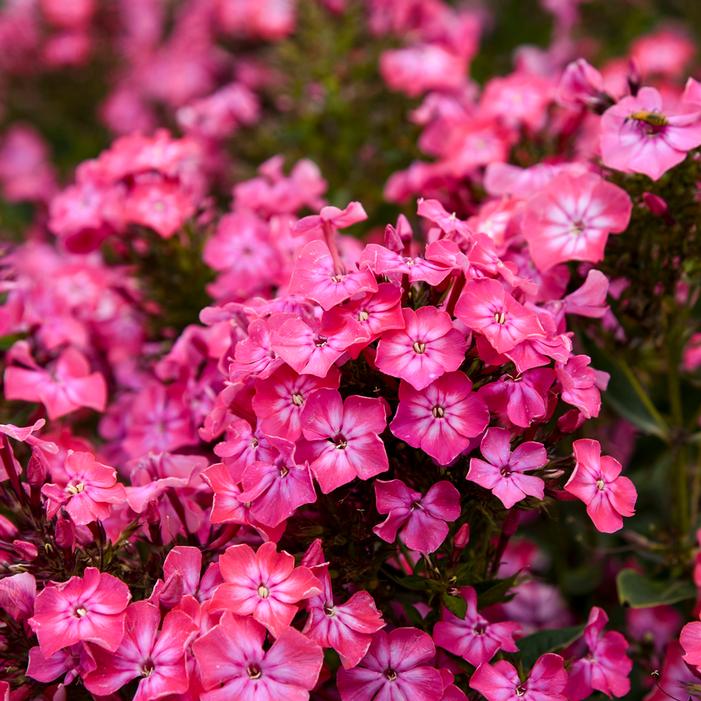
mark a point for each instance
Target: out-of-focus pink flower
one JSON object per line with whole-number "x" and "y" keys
{"x": 442, "y": 418}
{"x": 473, "y": 637}
{"x": 598, "y": 482}
{"x": 500, "y": 681}
{"x": 397, "y": 665}
{"x": 342, "y": 438}
{"x": 17, "y": 594}
{"x": 580, "y": 85}
{"x": 233, "y": 664}
{"x": 416, "y": 69}
{"x": 67, "y": 387}
{"x": 428, "y": 346}
{"x": 677, "y": 680}
{"x": 502, "y": 471}
{"x": 572, "y": 217}
{"x": 421, "y": 521}
{"x": 581, "y": 384}
{"x": 641, "y": 135}
{"x": 90, "y": 492}
{"x": 263, "y": 584}
{"x": 90, "y": 608}
{"x": 156, "y": 657}
{"x": 331, "y": 218}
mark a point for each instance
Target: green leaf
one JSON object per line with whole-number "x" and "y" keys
{"x": 416, "y": 583}
{"x": 533, "y": 646}
{"x": 639, "y": 592}
{"x": 494, "y": 591}
{"x": 455, "y": 604}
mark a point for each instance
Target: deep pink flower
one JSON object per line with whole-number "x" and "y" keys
{"x": 641, "y": 135}
{"x": 473, "y": 637}
{"x": 182, "y": 575}
{"x": 279, "y": 400}
{"x": 90, "y": 608}
{"x": 156, "y": 657}
{"x": 233, "y": 664}
{"x": 69, "y": 386}
{"x": 580, "y": 383}
{"x": 90, "y": 492}
{"x": 316, "y": 277}
{"x": 331, "y": 217}
{"x": 502, "y": 471}
{"x": 690, "y": 640}
{"x": 580, "y": 85}
{"x": 572, "y": 217}
{"x": 17, "y": 595}
{"x": 263, "y": 584}
{"x": 383, "y": 261}
{"x": 606, "y": 667}
{"x": 342, "y": 438}
{"x": 678, "y": 680}
{"x": 589, "y": 299}
{"x": 420, "y": 521}
{"x": 69, "y": 663}
{"x": 597, "y": 481}
{"x": 397, "y": 666}
{"x": 347, "y": 628}
{"x": 487, "y": 307}
{"x": 441, "y": 418}
{"x": 427, "y": 347}
{"x": 500, "y": 681}
{"x": 254, "y": 355}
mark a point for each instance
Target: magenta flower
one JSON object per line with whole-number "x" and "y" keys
{"x": 597, "y": 481}
{"x": 641, "y": 135}
{"x": 316, "y": 277}
{"x": 420, "y": 521}
{"x": 156, "y": 658}
{"x": 279, "y": 400}
{"x": 90, "y": 492}
{"x": 343, "y": 438}
{"x": 90, "y": 608}
{"x": 487, "y": 307}
{"x": 331, "y": 217}
{"x": 427, "y": 347}
{"x": 397, "y": 666}
{"x": 502, "y": 471}
{"x": 383, "y": 261}
{"x": 263, "y": 584}
{"x": 572, "y": 217}
{"x": 474, "y": 638}
{"x": 606, "y": 667}
{"x": 441, "y": 418}
{"x": 347, "y": 628}
{"x": 69, "y": 386}
{"x": 500, "y": 681}
{"x": 580, "y": 383}
{"x": 233, "y": 664}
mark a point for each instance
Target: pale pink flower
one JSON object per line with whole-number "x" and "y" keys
{"x": 90, "y": 608}
{"x": 398, "y": 665}
{"x": 233, "y": 664}
{"x": 263, "y": 584}
{"x": 427, "y": 347}
{"x": 473, "y": 637}
{"x": 442, "y": 418}
{"x": 598, "y": 482}
{"x": 342, "y": 438}
{"x": 502, "y": 471}
{"x": 640, "y": 134}
{"x": 572, "y": 217}
{"x": 156, "y": 657}
{"x": 420, "y": 521}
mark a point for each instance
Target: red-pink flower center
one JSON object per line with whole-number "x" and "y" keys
{"x": 419, "y": 347}
{"x": 320, "y": 341}
{"x": 363, "y": 315}
{"x": 254, "y": 671}
{"x": 438, "y": 411}
{"x": 329, "y": 610}
{"x": 263, "y": 591}
{"x": 505, "y": 471}
{"x": 75, "y": 488}
{"x": 80, "y": 611}
{"x": 600, "y": 484}
{"x": 500, "y": 317}
{"x": 297, "y": 399}
{"x": 520, "y": 690}
{"x": 147, "y": 668}
{"x": 340, "y": 442}
{"x": 390, "y": 675}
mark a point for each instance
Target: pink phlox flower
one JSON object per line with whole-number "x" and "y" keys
{"x": 244, "y": 445}
{"x": 639, "y": 134}
{"x": 473, "y": 637}
{"x": 264, "y": 584}
{"x": 425, "y": 349}
{"x": 442, "y": 418}
{"x": 279, "y": 400}
{"x": 397, "y": 665}
{"x": 68, "y": 386}
{"x": 155, "y": 657}
{"x": 233, "y": 664}
{"x": 448, "y": 223}
{"x": 572, "y": 217}
{"x": 598, "y": 482}
{"x": 581, "y": 384}
{"x": 71, "y": 662}
{"x": 421, "y": 521}
{"x": 677, "y": 680}
{"x": 316, "y": 276}
{"x": 485, "y": 306}
{"x": 90, "y": 492}
{"x": 254, "y": 355}
{"x": 182, "y": 576}
{"x": 342, "y": 438}
{"x": 606, "y": 667}
{"x": 331, "y": 217}
{"x": 383, "y": 261}
{"x": 90, "y": 608}
{"x": 589, "y": 299}
{"x": 17, "y": 595}
{"x": 500, "y": 681}
{"x": 502, "y": 471}
{"x": 26, "y": 434}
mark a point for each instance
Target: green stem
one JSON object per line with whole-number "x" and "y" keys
{"x": 681, "y": 506}
{"x": 647, "y": 402}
